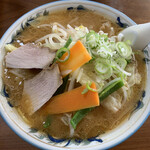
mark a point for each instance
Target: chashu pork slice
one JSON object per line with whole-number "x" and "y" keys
{"x": 29, "y": 56}
{"x": 38, "y": 90}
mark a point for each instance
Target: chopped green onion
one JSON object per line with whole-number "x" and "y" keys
{"x": 103, "y": 68}
{"x": 68, "y": 42}
{"x": 89, "y": 88}
{"x": 124, "y": 50}
{"x": 121, "y": 62}
{"x": 111, "y": 82}
{"x": 63, "y": 50}
{"x": 110, "y": 89}
{"x": 104, "y": 51}
{"x": 122, "y": 76}
{"x": 47, "y": 123}
{"x": 85, "y": 91}
{"x": 92, "y": 39}
{"x": 60, "y": 53}
{"x": 88, "y": 84}
{"x": 104, "y": 36}
{"x": 118, "y": 69}
{"x": 79, "y": 115}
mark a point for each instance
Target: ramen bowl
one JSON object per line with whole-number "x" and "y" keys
{"x": 43, "y": 141}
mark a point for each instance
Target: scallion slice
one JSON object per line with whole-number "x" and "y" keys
{"x": 104, "y": 51}
{"x": 103, "y": 68}
{"x": 85, "y": 91}
{"x": 88, "y": 84}
{"x": 63, "y": 50}
{"x": 92, "y": 39}
{"x": 124, "y": 49}
{"x": 121, "y": 62}
{"x": 60, "y": 53}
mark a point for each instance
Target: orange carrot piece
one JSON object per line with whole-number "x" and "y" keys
{"x": 78, "y": 57}
{"x": 71, "y": 101}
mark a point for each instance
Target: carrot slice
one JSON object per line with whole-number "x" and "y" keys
{"x": 71, "y": 101}
{"x": 78, "y": 57}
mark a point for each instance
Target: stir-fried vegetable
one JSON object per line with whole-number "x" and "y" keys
{"x": 105, "y": 57}
{"x": 72, "y": 101}
{"x": 112, "y": 87}
{"x": 78, "y": 57}
{"x": 109, "y": 59}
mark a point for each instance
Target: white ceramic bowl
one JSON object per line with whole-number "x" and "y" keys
{"x": 105, "y": 141}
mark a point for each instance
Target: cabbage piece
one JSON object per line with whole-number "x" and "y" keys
{"x": 111, "y": 103}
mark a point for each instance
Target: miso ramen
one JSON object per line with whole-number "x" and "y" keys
{"x": 70, "y": 75}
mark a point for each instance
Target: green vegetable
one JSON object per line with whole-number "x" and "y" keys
{"x": 63, "y": 50}
{"x": 47, "y": 123}
{"x": 104, "y": 51}
{"x": 88, "y": 84}
{"x": 109, "y": 58}
{"x": 110, "y": 89}
{"x": 104, "y": 36}
{"x": 92, "y": 39}
{"x": 129, "y": 61}
{"x": 79, "y": 115}
{"x": 112, "y": 56}
{"x": 85, "y": 91}
{"x": 124, "y": 49}
{"x": 68, "y": 42}
{"x": 119, "y": 68}
{"x": 60, "y": 52}
{"x": 121, "y": 62}
{"x": 103, "y": 68}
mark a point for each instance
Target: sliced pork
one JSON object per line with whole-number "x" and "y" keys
{"x": 38, "y": 90}
{"x": 29, "y": 56}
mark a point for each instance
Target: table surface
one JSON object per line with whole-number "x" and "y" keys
{"x": 11, "y": 10}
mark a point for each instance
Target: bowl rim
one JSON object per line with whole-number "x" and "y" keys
{"x": 15, "y": 129}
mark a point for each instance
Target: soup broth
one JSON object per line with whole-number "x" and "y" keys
{"x": 100, "y": 119}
